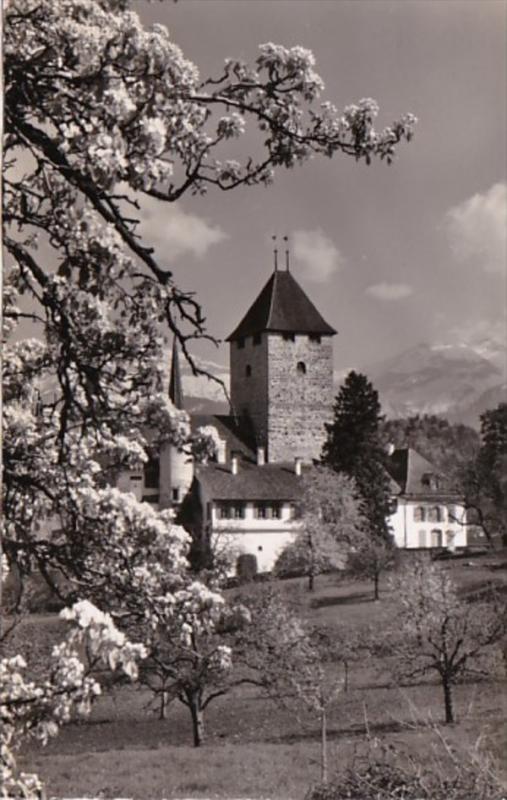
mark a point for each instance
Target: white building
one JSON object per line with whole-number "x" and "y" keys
{"x": 425, "y": 513}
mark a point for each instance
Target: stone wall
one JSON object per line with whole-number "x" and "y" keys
{"x": 249, "y": 393}
{"x": 287, "y": 406}
{"x": 299, "y": 399}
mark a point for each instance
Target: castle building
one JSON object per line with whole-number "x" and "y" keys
{"x": 281, "y": 367}
{"x": 281, "y": 358}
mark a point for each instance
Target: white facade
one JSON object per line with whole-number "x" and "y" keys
{"x": 265, "y": 538}
{"x": 426, "y": 523}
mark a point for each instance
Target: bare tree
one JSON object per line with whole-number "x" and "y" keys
{"x": 371, "y": 559}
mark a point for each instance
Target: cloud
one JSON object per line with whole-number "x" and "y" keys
{"x": 317, "y": 254}
{"x": 174, "y": 232}
{"x": 389, "y": 291}
{"x": 477, "y": 229}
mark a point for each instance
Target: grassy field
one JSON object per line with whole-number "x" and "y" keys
{"x": 256, "y": 749}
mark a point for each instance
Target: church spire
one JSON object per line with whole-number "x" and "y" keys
{"x": 175, "y": 385}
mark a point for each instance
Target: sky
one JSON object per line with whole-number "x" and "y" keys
{"x": 391, "y": 255}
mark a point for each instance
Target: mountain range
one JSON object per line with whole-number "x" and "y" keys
{"x": 458, "y": 382}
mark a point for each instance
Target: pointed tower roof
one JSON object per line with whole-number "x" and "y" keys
{"x": 282, "y": 306}
{"x": 175, "y": 384}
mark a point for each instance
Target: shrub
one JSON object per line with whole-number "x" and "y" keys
{"x": 381, "y": 773}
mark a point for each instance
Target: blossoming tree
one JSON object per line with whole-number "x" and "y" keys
{"x": 38, "y": 708}
{"x": 442, "y": 634}
{"x": 99, "y": 115}
{"x": 332, "y": 525}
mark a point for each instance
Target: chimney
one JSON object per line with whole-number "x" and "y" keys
{"x": 261, "y": 456}
{"x": 297, "y": 466}
{"x": 221, "y": 451}
{"x": 234, "y": 465}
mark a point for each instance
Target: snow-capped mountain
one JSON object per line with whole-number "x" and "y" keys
{"x": 455, "y": 381}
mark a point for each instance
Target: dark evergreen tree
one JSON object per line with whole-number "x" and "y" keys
{"x": 485, "y": 481}
{"x": 354, "y": 446}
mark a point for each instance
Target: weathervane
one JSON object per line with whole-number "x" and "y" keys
{"x": 286, "y": 240}
{"x": 275, "y": 252}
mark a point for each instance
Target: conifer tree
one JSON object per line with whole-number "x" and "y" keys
{"x": 485, "y": 480}
{"x": 353, "y": 446}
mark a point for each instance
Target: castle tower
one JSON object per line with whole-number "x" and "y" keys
{"x": 281, "y": 360}
{"x": 176, "y": 467}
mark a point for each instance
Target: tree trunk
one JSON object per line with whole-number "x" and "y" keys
{"x": 197, "y": 720}
{"x": 346, "y": 682}
{"x": 375, "y": 583}
{"x": 311, "y": 581}
{"x": 323, "y": 747}
{"x": 163, "y": 705}
{"x": 449, "y": 713}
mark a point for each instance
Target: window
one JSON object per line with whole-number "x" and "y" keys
{"x": 150, "y": 498}
{"x": 301, "y": 368}
{"x": 259, "y": 548}
{"x": 289, "y": 337}
{"x": 314, "y": 337}
{"x": 152, "y": 473}
{"x": 176, "y": 494}
{"x": 223, "y": 511}
{"x": 422, "y": 539}
{"x": 436, "y": 538}
{"x": 295, "y": 511}
{"x": 419, "y": 514}
{"x": 136, "y": 478}
{"x": 435, "y": 514}
{"x": 393, "y": 506}
{"x": 248, "y": 370}
{"x": 257, "y": 338}
{"x": 430, "y": 480}
{"x": 231, "y": 511}
{"x": 268, "y": 511}
{"x": 241, "y": 342}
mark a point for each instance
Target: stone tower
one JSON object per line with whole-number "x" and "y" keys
{"x": 281, "y": 359}
{"x": 176, "y": 467}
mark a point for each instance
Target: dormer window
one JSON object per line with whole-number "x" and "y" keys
{"x": 301, "y": 368}
{"x": 430, "y": 480}
{"x": 257, "y": 338}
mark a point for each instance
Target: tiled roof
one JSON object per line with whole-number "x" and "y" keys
{"x": 252, "y": 482}
{"x": 414, "y": 473}
{"x": 279, "y": 482}
{"x": 282, "y": 306}
{"x": 238, "y": 439}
